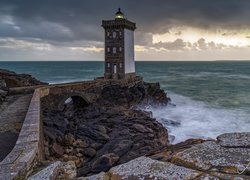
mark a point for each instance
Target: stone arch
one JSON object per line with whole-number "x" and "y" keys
{"x": 77, "y": 100}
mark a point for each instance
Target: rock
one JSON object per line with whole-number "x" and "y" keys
{"x": 52, "y": 133}
{"x": 11, "y": 79}
{"x": 100, "y": 176}
{"x": 3, "y": 85}
{"x": 48, "y": 173}
{"x": 67, "y": 171}
{"x": 92, "y": 134}
{"x": 89, "y": 152}
{"x": 104, "y": 163}
{"x": 86, "y": 169}
{"x": 69, "y": 150}
{"x": 122, "y": 147}
{"x": 169, "y": 122}
{"x": 81, "y": 143}
{"x": 61, "y": 124}
{"x": 57, "y": 150}
{"x": 56, "y": 170}
{"x": 101, "y": 128}
{"x": 210, "y": 154}
{"x": 96, "y": 146}
{"x": 147, "y": 168}
{"x": 235, "y": 140}
{"x": 69, "y": 139}
{"x": 140, "y": 128}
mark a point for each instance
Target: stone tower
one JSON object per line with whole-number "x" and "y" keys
{"x": 119, "y": 47}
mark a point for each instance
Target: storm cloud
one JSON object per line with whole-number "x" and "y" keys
{"x": 77, "y": 23}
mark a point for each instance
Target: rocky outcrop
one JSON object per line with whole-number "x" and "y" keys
{"x": 140, "y": 94}
{"x": 108, "y": 132}
{"x": 97, "y": 138}
{"x": 146, "y": 168}
{"x": 11, "y": 79}
{"x": 192, "y": 159}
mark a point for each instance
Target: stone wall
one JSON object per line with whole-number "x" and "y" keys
{"x": 29, "y": 146}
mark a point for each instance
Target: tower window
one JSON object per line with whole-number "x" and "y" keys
{"x": 120, "y": 65}
{"x": 108, "y": 49}
{"x": 120, "y": 49}
{"x": 108, "y": 34}
{"x": 114, "y": 50}
{"x": 108, "y": 65}
{"x": 120, "y": 33}
{"x": 114, "y": 34}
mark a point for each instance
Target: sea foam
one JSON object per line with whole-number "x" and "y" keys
{"x": 196, "y": 119}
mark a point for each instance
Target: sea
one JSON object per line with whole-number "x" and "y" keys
{"x": 211, "y": 97}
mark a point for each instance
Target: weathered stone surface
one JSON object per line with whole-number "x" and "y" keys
{"x": 48, "y": 173}
{"x": 100, "y": 176}
{"x": 105, "y": 162}
{"x": 210, "y": 154}
{"x": 56, "y": 170}
{"x": 67, "y": 171}
{"x": 234, "y": 139}
{"x": 147, "y": 168}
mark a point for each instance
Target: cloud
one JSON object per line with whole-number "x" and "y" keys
{"x": 76, "y": 23}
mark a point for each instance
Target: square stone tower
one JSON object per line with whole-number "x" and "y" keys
{"x": 119, "y": 47}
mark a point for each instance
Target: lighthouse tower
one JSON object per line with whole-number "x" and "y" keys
{"x": 119, "y": 47}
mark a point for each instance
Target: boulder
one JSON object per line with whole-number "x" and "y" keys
{"x": 89, "y": 152}
{"x": 147, "y": 168}
{"x": 234, "y": 140}
{"x": 104, "y": 163}
{"x": 57, "y": 150}
{"x": 211, "y": 155}
{"x": 67, "y": 171}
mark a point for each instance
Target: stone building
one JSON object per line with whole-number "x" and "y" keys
{"x": 119, "y": 47}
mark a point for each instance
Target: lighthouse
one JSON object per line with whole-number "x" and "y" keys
{"x": 119, "y": 47}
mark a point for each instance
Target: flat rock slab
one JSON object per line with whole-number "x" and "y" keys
{"x": 147, "y": 168}
{"x": 211, "y": 156}
{"x": 235, "y": 139}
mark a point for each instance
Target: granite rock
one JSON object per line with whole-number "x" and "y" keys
{"x": 210, "y": 155}
{"x": 234, "y": 140}
{"x": 147, "y": 168}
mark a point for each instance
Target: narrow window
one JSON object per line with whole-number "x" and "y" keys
{"x": 114, "y": 34}
{"x": 120, "y": 33}
{"x": 108, "y": 34}
{"x": 120, "y": 49}
{"x": 108, "y": 65}
{"x": 114, "y": 50}
{"x": 108, "y": 49}
{"x": 120, "y": 65}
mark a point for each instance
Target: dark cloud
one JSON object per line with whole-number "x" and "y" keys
{"x": 64, "y": 20}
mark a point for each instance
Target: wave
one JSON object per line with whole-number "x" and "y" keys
{"x": 195, "y": 119}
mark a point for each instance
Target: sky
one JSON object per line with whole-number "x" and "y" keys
{"x": 166, "y": 29}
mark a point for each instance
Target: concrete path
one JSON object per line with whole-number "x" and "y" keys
{"x": 12, "y": 115}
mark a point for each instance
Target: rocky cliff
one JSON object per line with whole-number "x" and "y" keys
{"x": 9, "y": 79}
{"x": 108, "y": 132}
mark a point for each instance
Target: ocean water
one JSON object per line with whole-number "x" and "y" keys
{"x": 211, "y": 97}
